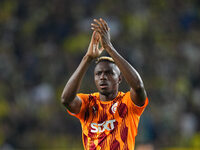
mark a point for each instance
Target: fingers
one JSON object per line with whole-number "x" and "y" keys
{"x": 105, "y": 24}
{"x": 99, "y": 26}
{"x": 93, "y": 37}
{"x": 93, "y": 34}
{"x": 103, "y": 31}
{"x": 96, "y": 37}
{"x": 96, "y": 28}
{"x": 96, "y": 50}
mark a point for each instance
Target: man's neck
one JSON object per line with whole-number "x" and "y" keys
{"x": 108, "y": 97}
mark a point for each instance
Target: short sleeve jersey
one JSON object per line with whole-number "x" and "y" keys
{"x": 110, "y": 125}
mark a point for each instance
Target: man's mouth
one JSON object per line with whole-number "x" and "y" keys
{"x": 103, "y": 85}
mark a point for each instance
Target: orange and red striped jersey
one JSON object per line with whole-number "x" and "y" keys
{"x": 109, "y": 125}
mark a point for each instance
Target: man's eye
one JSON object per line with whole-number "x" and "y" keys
{"x": 98, "y": 73}
{"x": 110, "y": 73}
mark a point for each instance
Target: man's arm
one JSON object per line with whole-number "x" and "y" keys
{"x": 138, "y": 93}
{"x": 69, "y": 98}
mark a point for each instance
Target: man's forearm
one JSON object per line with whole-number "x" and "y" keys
{"x": 130, "y": 74}
{"x": 73, "y": 84}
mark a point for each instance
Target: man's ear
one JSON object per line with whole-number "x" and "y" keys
{"x": 120, "y": 78}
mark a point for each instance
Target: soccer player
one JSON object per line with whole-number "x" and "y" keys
{"x": 109, "y": 118}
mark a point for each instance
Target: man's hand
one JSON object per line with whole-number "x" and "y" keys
{"x": 93, "y": 49}
{"x": 101, "y": 27}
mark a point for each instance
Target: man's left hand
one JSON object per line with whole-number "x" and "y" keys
{"x": 102, "y": 28}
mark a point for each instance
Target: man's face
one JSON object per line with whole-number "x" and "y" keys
{"x": 107, "y": 77}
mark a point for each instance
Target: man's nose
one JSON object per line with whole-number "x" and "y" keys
{"x": 103, "y": 76}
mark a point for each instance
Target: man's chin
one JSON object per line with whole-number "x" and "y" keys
{"x": 106, "y": 93}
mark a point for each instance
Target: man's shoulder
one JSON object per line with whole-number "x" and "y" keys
{"x": 122, "y": 94}
{"x": 96, "y": 94}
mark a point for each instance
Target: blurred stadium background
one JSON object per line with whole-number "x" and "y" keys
{"x": 43, "y": 41}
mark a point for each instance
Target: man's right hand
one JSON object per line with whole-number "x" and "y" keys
{"x": 93, "y": 49}
{"x": 101, "y": 27}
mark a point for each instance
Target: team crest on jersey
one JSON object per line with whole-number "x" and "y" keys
{"x": 114, "y": 107}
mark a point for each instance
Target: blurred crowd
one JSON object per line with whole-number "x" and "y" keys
{"x": 42, "y": 43}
